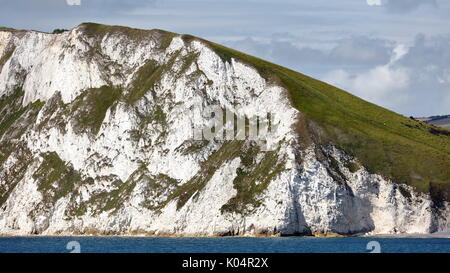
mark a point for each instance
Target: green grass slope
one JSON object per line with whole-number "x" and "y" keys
{"x": 386, "y": 143}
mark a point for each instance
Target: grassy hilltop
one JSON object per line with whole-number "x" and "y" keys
{"x": 396, "y": 147}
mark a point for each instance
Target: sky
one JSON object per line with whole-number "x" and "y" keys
{"x": 395, "y": 53}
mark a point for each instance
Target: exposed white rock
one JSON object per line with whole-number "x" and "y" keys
{"x": 302, "y": 198}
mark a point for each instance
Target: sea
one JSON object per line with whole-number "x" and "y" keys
{"x": 93, "y": 244}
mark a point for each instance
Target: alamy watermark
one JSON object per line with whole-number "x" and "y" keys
{"x": 74, "y": 247}
{"x": 224, "y": 124}
{"x": 374, "y": 247}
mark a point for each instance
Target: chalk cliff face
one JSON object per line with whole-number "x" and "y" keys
{"x": 96, "y": 137}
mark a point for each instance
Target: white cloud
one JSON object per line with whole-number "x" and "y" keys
{"x": 374, "y": 2}
{"x": 381, "y": 81}
{"x": 73, "y": 2}
{"x": 445, "y": 77}
{"x": 398, "y": 52}
{"x": 401, "y": 6}
{"x": 383, "y": 84}
{"x": 415, "y": 81}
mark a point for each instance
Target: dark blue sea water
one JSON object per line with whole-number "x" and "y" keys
{"x": 219, "y": 245}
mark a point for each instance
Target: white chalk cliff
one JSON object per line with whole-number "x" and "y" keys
{"x": 96, "y": 137}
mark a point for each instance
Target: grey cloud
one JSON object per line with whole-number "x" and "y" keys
{"x": 283, "y": 36}
{"x": 362, "y": 50}
{"x": 32, "y": 5}
{"x": 354, "y": 51}
{"x": 117, "y": 5}
{"x": 428, "y": 62}
{"x": 283, "y": 53}
{"x": 427, "y": 52}
{"x": 46, "y": 15}
{"x": 309, "y": 36}
{"x": 416, "y": 84}
{"x": 402, "y": 6}
{"x": 61, "y": 8}
{"x": 286, "y": 53}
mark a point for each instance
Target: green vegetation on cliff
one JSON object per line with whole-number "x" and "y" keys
{"x": 396, "y": 147}
{"x": 386, "y": 143}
